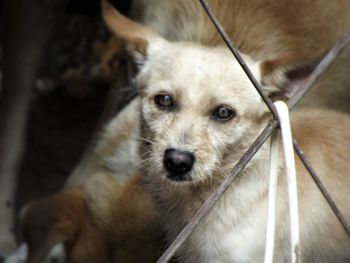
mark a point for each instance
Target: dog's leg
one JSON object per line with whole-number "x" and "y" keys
{"x": 64, "y": 216}
{"x": 26, "y": 30}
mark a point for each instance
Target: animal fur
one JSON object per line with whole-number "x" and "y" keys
{"x": 119, "y": 227}
{"x": 284, "y": 35}
{"x": 110, "y": 218}
{"x": 200, "y": 80}
{"x": 289, "y": 37}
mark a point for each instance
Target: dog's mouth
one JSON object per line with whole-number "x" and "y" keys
{"x": 178, "y": 164}
{"x": 179, "y": 177}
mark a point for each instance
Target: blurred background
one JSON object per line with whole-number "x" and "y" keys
{"x": 58, "y": 64}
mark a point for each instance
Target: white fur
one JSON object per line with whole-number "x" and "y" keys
{"x": 200, "y": 79}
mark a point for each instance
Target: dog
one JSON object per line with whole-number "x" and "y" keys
{"x": 109, "y": 218}
{"x": 122, "y": 226}
{"x": 177, "y": 195}
{"x": 199, "y": 114}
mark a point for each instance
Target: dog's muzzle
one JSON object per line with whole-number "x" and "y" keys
{"x": 178, "y": 164}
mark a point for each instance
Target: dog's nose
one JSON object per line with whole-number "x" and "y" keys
{"x": 178, "y": 163}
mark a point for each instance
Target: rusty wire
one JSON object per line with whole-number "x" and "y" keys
{"x": 214, "y": 197}
{"x": 322, "y": 188}
{"x": 239, "y": 58}
{"x": 303, "y": 88}
{"x": 261, "y": 139}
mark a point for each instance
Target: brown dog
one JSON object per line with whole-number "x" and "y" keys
{"x": 120, "y": 225}
{"x": 110, "y": 218}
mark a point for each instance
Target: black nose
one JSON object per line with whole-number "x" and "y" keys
{"x": 178, "y": 163}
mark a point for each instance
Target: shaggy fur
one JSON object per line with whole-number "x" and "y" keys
{"x": 119, "y": 227}
{"x": 116, "y": 205}
{"x": 289, "y": 37}
{"x": 201, "y": 79}
{"x": 110, "y": 218}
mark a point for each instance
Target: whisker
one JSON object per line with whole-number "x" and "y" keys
{"x": 143, "y": 161}
{"x": 145, "y": 139}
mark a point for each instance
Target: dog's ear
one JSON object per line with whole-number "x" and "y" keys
{"x": 50, "y": 221}
{"x": 137, "y": 36}
{"x": 278, "y": 79}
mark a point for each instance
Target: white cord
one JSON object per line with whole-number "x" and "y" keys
{"x": 271, "y": 213}
{"x": 287, "y": 141}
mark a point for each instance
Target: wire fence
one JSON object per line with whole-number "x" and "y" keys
{"x": 302, "y": 89}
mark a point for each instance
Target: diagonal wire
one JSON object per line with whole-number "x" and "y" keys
{"x": 321, "y": 67}
{"x": 322, "y": 188}
{"x": 239, "y": 58}
{"x": 214, "y": 197}
{"x": 261, "y": 139}
{"x": 302, "y": 89}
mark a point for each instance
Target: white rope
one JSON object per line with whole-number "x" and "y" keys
{"x": 283, "y": 114}
{"x": 271, "y": 213}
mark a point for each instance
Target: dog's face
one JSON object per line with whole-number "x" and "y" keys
{"x": 199, "y": 109}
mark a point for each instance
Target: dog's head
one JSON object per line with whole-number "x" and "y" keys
{"x": 199, "y": 109}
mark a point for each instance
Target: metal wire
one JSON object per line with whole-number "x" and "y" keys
{"x": 322, "y": 188}
{"x": 261, "y": 139}
{"x": 239, "y": 58}
{"x": 214, "y": 197}
{"x": 321, "y": 68}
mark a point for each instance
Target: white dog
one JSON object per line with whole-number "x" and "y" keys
{"x": 199, "y": 114}
{"x": 285, "y": 33}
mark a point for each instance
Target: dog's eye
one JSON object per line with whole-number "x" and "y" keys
{"x": 164, "y": 101}
{"x": 223, "y": 113}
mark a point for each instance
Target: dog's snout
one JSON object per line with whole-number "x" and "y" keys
{"x": 178, "y": 163}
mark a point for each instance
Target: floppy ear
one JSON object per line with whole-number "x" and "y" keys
{"x": 278, "y": 78}
{"x": 137, "y": 36}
